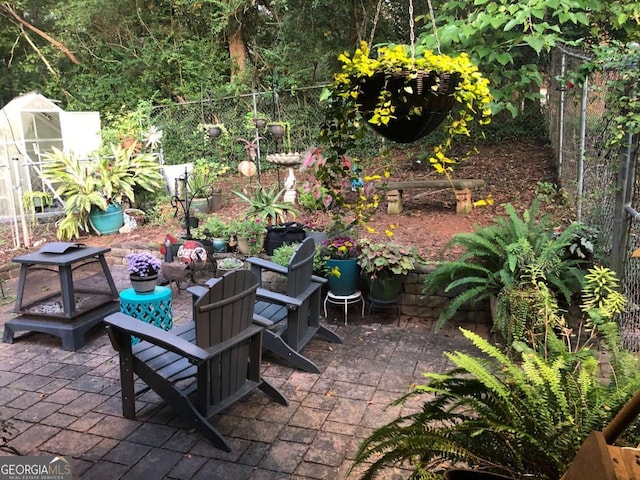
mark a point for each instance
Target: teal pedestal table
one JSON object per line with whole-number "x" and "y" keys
{"x": 154, "y": 308}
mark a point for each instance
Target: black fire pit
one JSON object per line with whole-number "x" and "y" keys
{"x": 63, "y": 290}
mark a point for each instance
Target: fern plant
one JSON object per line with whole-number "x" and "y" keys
{"x": 501, "y": 255}
{"x": 491, "y": 413}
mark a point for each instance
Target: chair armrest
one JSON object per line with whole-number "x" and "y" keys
{"x": 250, "y": 331}
{"x": 156, "y": 336}
{"x": 262, "y": 321}
{"x": 317, "y": 279}
{"x": 263, "y": 264}
{"x": 267, "y": 265}
{"x": 281, "y": 298}
{"x": 197, "y": 290}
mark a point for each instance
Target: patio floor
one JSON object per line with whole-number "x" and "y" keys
{"x": 68, "y": 403}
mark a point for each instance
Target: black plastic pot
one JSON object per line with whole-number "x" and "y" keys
{"x": 459, "y": 474}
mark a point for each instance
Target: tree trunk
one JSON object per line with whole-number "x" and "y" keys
{"x": 237, "y": 52}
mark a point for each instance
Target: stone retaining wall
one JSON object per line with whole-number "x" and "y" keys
{"x": 412, "y": 303}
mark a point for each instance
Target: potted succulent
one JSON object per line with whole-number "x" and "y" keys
{"x": 143, "y": 271}
{"x": 386, "y": 265}
{"x": 228, "y": 264}
{"x": 265, "y": 205}
{"x": 93, "y": 190}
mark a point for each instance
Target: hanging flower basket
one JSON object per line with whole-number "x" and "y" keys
{"x": 404, "y": 96}
{"x": 421, "y": 101}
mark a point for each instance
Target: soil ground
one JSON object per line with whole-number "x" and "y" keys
{"x": 511, "y": 172}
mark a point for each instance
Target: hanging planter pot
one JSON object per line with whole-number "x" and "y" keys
{"x": 214, "y": 131}
{"x": 260, "y": 122}
{"x": 277, "y": 130}
{"x": 422, "y": 101}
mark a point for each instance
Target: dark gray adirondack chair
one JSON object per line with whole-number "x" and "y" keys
{"x": 292, "y": 318}
{"x": 220, "y": 350}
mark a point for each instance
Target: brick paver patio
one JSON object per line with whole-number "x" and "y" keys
{"x": 68, "y": 403}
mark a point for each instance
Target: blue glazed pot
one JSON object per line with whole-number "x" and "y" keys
{"x": 219, "y": 245}
{"x": 347, "y": 282}
{"x": 107, "y": 221}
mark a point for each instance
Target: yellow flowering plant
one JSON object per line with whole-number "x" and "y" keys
{"x": 413, "y": 93}
{"x": 401, "y": 95}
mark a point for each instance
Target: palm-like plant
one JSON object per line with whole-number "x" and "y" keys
{"x": 265, "y": 205}
{"x": 502, "y": 256}
{"x": 98, "y": 182}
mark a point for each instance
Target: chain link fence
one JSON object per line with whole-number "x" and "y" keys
{"x": 185, "y": 136}
{"x": 588, "y": 171}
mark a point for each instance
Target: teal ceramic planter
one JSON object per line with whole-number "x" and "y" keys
{"x": 347, "y": 282}
{"x": 107, "y": 221}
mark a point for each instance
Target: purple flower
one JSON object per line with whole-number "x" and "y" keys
{"x": 143, "y": 264}
{"x": 340, "y": 248}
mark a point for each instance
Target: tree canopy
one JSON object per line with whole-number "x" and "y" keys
{"x": 100, "y": 55}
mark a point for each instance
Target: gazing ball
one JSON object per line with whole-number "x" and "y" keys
{"x": 247, "y": 168}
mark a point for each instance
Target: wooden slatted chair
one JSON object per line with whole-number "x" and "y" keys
{"x": 219, "y": 350}
{"x": 292, "y": 318}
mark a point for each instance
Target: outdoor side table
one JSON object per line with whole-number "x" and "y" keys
{"x": 345, "y": 301}
{"x": 154, "y": 308}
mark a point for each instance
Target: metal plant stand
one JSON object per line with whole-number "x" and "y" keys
{"x": 182, "y": 199}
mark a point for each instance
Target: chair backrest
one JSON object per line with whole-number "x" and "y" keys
{"x": 300, "y": 268}
{"x": 226, "y": 309}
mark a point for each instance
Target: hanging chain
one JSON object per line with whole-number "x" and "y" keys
{"x": 433, "y": 23}
{"x": 411, "y": 32}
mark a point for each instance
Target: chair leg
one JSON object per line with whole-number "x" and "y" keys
{"x": 273, "y": 392}
{"x": 178, "y": 400}
{"x": 278, "y": 346}
{"x": 328, "y": 335}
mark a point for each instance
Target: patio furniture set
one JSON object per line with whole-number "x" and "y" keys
{"x": 201, "y": 367}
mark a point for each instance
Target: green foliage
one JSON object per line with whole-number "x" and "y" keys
{"x": 383, "y": 259}
{"x": 97, "y": 183}
{"x": 265, "y": 204}
{"x": 508, "y": 40}
{"x": 601, "y": 294}
{"x": 213, "y": 227}
{"x": 518, "y": 419}
{"x": 201, "y": 181}
{"x": 503, "y": 255}
{"x": 282, "y": 254}
{"x": 622, "y": 96}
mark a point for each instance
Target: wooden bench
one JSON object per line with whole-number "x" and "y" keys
{"x": 461, "y": 187}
